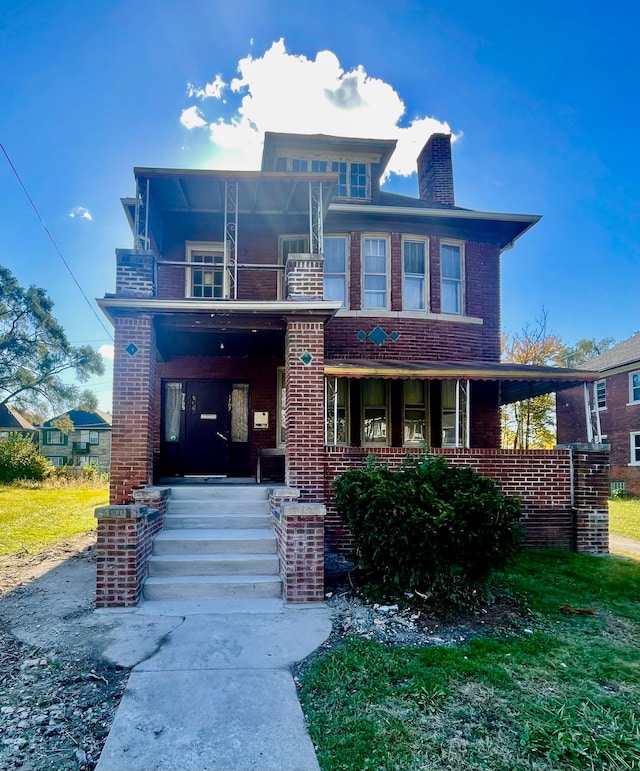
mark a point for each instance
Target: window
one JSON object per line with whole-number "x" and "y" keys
{"x": 336, "y": 418}
{"x": 358, "y": 180}
{"x": 299, "y": 164}
{"x": 53, "y": 436}
{"x": 415, "y": 412}
{"x": 601, "y": 394}
{"x": 281, "y": 401}
{"x": 87, "y": 460}
{"x": 319, "y": 165}
{"x": 635, "y": 448}
{"x": 340, "y": 168}
{"x": 90, "y": 437}
{"x": 455, "y": 405}
{"x": 354, "y": 178}
{"x": 374, "y": 263}
{"x": 207, "y": 280}
{"x": 335, "y": 269}
{"x": 634, "y": 387}
{"x": 290, "y": 245}
{"x": 451, "y": 282}
{"x": 374, "y": 412}
{"x": 414, "y": 274}
{"x": 56, "y": 460}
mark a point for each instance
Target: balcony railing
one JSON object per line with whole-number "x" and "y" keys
{"x": 80, "y": 447}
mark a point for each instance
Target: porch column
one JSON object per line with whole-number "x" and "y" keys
{"x": 133, "y": 406}
{"x": 304, "y": 411}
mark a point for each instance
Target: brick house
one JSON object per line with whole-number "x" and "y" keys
{"x": 281, "y": 324}
{"x": 613, "y": 413}
{"x": 89, "y": 444}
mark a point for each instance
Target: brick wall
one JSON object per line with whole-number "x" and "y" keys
{"x": 135, "y": 273}
{"x": 299, "y": 529}
{"x": 304, "y": 277}
{"x": 540, "y": 478}
{"x": 591, "y": 473}
{"x": 305, "y": 408}
{"x": 133, "y": 406}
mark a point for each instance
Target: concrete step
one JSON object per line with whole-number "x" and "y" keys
{"x": 211, "y": 587}
{"x": 215, "y": 541}
{"x": 213, "y": 564}
{"x": 218, "y": 492}
{"x": 217, "y": 505}
{"x": 216, "y": 521}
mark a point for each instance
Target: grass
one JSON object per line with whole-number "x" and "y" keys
{"x": 561, "y": 695}
{"x": 32, "y": 518}
{"x": 624, "y": 517}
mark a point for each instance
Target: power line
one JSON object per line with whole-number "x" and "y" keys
{"x": 55, "y": 245}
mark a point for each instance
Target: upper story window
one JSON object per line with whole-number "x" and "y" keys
{"x": 53, "y": 436}
{"x": 335, "y": 268}
{"x": 601, "y": 394}
{"x": 634, "y": 387}
{"x": 206, "y": 278}
{"x": 451, "y": 278}
{"x": 354, "y": 178}
{"x": 90, "y": 437}
{"x": 374, "y": 272}
{"x": 414, "y": 274}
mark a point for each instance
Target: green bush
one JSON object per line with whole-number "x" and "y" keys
{"x": 20, "y": 459}
{"x": 429, "y": 526}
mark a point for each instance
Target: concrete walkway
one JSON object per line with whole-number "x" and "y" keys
{"x": 620, "y": 544}
{"x": 216, "y": 693}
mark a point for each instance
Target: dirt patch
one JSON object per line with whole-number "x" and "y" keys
{"x": 57, "y": 697}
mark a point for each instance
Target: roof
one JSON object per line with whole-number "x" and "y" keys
{"x": 626, "y": 352}
{"x": 84, "y": 419}
{"x": 11, "y": 419}
{"x": 517, "y": 381}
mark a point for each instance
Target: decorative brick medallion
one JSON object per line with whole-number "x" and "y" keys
{"x": 377, "y": 336}
{"x": 132, "y": 349}
{"x": 306, "y": 358}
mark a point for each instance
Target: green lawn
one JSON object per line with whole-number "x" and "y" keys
{"x": 33, "y": 518}
{"x": 624, "y": 517}
{"x": 563, "y": 693}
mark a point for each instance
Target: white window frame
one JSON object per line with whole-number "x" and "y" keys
{"x": 460, "y": 282}
{"x": 601, "y": 394}
{"x": 205, "y": 248}
{"x": 387, "y": 415}
{"x": 375, "y": 237}
{"x": 89, "y": 436}
{"x": 632, "y": 399}
{"x": 332, "y": 406}
{"x": 345, "y": 275}
{"x": 281, "y": 399}
{"x": 49, "y": 437}
{"x": 57, "y": 460}
{"x": 282, "y": 240}
{"x": 425, "y": 292}
{"x": 461, "y": 413}
{"x": 344, "y": 188}
{"x": 634, "y": 446}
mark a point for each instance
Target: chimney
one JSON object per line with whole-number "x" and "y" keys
{"x": 435, "y": 170}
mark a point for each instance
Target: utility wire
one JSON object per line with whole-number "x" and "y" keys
{"x": 55, "y": 246}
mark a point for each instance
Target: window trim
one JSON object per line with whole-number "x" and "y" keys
{"x": 64, "y": 440}
{"x": 462, "y": 284}
{"x": 408, "y": 238}
{"x": 194, "y": 247}
{"x": 387, "y": 294}
{"x": 53, "y": 460}
{"x": 424, "y": 406}
{"x": 602, "y": 383}
{"x": 347, "y": 265}
{"x": 332, "y": 441}
{"x": 281, "y": 257}
{"x": 341, "y": 191}
{"x": 631, "y": 388}
{"x": 634, "y": 454}
{"x": 281, "y": 401}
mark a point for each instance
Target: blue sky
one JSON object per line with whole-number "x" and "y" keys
{"x": 542, "y": 99}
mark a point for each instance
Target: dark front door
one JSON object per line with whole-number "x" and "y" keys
{"x": 196, "y": 428}
{"x": 207, "y": 430}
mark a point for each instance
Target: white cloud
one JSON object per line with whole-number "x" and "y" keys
{"x": 81, "y": 212}
{"x": 192, "y": 118}
{"x": 106, "y": 351}
{"x": 213, "y": 89}
{"x": 289, "y": 93}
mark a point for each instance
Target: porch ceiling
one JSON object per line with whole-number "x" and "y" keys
{"x": 517, "y": 381}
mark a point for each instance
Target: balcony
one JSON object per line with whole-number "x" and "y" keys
{"x": 80, "y": 447}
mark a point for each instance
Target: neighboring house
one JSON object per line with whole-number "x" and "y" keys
{"x": 12, "y": 422}
{"x": 89, "y": 444}
{"x": 302, "y": 315}
{"x": 613, "y": 416}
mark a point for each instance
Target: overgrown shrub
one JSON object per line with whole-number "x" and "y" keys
{"x": 429, "y": 526}
{"x": 20, "y": 459}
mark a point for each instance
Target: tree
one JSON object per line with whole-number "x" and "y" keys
{"x": 35, "y": 352}
{"x": 530, "y": 424}
{"x": 584, "y": 350}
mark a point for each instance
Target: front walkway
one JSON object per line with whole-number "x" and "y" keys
{"x": 217, "y": 692}
{"x": 618, "y": 544}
